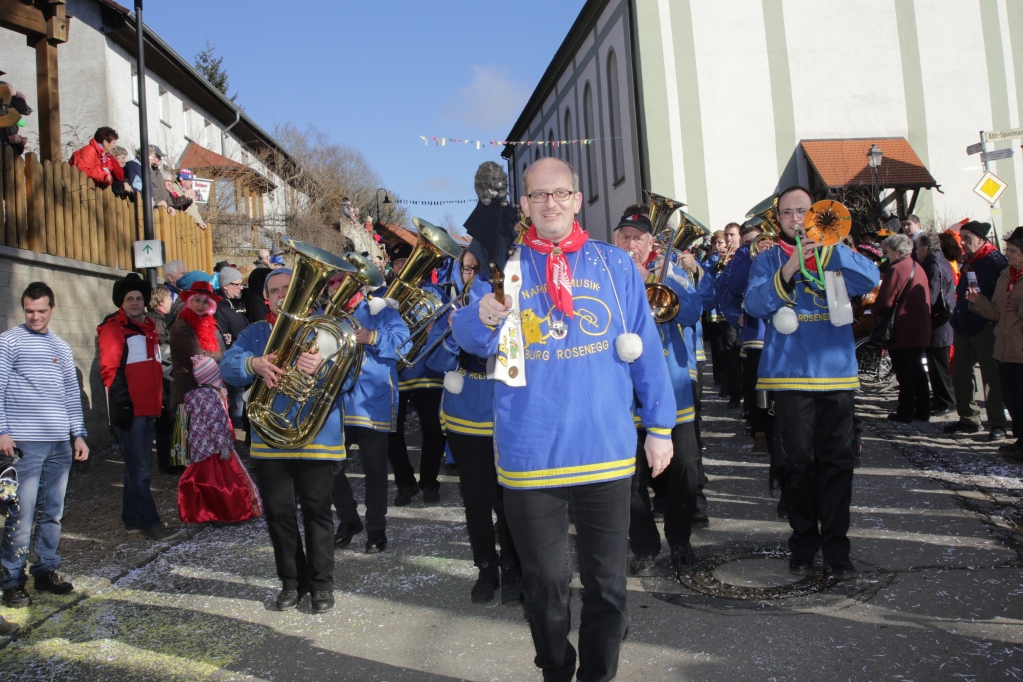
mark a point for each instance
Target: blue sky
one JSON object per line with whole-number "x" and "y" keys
{"x": 376, "y": 75}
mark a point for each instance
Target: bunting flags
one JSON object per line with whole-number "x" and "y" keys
{"x": 479, "y": 144}
{"x": 410, "y": 202}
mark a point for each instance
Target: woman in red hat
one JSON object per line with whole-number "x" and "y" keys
{"x": 194, "y": 333}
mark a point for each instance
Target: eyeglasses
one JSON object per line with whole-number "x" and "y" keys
{"x": 794, "y": 212}
{"x": 469, "y": 270}
{"x": 558, "y": 194}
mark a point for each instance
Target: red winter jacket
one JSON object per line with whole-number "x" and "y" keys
{"x": 94, "y": 162}
{"x": 130, "y": 367}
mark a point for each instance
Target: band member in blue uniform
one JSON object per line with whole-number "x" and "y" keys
{"x": 283, "y": 474}
{"x": 809, "y": 365}
{"x": 421, "y": 386}
{"x": 467, "y": 414}
{"x": 633, "y": 234}
{"x": 371, "y": 409}
{"x": 571, "y": 342}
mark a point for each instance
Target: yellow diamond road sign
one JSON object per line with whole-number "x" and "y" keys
{"x": 990, "y": 187}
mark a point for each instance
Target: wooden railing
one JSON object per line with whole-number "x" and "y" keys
{"x": 56, "y": 209}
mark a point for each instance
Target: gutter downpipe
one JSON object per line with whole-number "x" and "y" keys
{"x": 223, "y": 135}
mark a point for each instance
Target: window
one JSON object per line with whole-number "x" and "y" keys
{"x": 588, "y": 134}
{"x": 568, "y": 135}
{"x": 614, "y": 122}
{"x": 134, "y": 85}
{"x": 550, "y": 141}
{"x": 522, "y": 190}
{"x": 224, "y": 195}
{"x": 164, "y": 106}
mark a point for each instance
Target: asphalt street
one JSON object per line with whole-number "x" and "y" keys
{"x": 935, "y": 532}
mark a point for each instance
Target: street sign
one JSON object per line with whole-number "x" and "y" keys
{"x": 149, "y": 253}
{"x": 996, "y": 155}
{"x": 990, "y": 187}
{"x": 975, "y": 149}
{"x": 1004, "y": 135}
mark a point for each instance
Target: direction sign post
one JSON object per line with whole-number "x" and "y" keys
{"x": 1000, "y": 135}
{"x": 149, "y": 253}
{"x": 997, "y": 154}
{"x": 974, "y": 149}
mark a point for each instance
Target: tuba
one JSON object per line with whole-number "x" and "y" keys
{"x": 418, "y": 308}
{"x": 663, "y": 301}
{"x": 289, "y": 415}
{"x": 765, "y": 217}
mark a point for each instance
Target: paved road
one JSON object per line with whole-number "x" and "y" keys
{"x": 933, "y": 530}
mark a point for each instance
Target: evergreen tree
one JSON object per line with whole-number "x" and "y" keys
{"x": 211, "y": 68}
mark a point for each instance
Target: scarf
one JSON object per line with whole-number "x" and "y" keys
{"x": 559, "y": 276}
{"x": 981, "y": 252}
{"x": 1014, "y": 276}
{"x": 788, "y": 247}
{"x": 205, "y": 328}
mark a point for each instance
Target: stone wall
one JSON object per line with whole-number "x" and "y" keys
{"x": 83, "y": 298}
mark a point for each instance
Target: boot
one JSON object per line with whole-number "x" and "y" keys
{"x": 487, "y": 583}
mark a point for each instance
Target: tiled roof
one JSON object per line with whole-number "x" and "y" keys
{"x": 841, "y": 163}
{"x": 394, "y": 233}
{"x": 200, "y": 157}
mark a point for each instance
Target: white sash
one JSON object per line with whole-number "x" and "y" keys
{"x": 839, "y": 307}
{"x": 509, "y": 365}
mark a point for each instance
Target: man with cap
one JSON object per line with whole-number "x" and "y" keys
{"x": 232, "y": 319}
{"x": 185, "y": 179}
{"x": 276, "y": 258}
{"x": 283, "y": 474}
{"x": 133, "y": 176}
{"x": 131, "y": 369}
{"x": 973, "y": 337}
{"x": 423, "y": 387}
{"x": 634, "y": 235}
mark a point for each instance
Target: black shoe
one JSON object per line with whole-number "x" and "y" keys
{"x": 735, "y": 402}
{"x": 843, "y": 569}
{"x": 405, "y": 495}
{"x": 7, "y": 628}
{"x": 159, "y": 533}
{"x": 345, "y": 532}
{"x": 322, "y": 601}
{"x": 288, "y": 599}
{"x": 376, "y": 541}
{"x": 800, "y": 567}
{"x": 683, "y": 560}
{"x": 16, "y": 598}
{"x": 997, "y": 433}
{"x": 486, "y": 584}
{"x": 511, "y": 586}
{"x": 700, "y": 521}
{"x": 431, "y": 496}
{"x": 52, "y": 582}
{"x": 895, "y": 417}
{"x": 643, "y": 565}
{"x": 962, "y": 427}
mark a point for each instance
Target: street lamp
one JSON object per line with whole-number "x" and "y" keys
{"x": 387, "y": 200}
{"x": 874, "y": 161}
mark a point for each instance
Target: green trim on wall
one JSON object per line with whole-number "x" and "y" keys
{"x": 694, "y": 160}
{"x": 781, "y": 88}
{"x": 660, "y": 172}
{"x": 913, "y": 85}
{"x": 999, "y": 93}
{"x": 1014, "y": 12}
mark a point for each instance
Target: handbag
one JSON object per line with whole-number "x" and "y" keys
{"x": 883, "y": 333}
{"x": 179, "y": 438}
{"x": 940, "y": 312}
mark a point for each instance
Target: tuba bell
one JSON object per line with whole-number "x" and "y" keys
{"x": 418, "y": 308}
{"x": 289, "y": 415}
{"x": 765, "y": 217}
{"x": 663, "y": 301}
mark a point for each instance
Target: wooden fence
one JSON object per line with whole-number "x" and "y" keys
{"x": 56, "y": 209}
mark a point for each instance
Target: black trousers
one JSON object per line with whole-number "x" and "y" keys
{"x": 539, "y": 524}
{"x": 279, "y": 481}
{"x": 483, "y": 498}
{"x": 758, "y": 416}
{"x": 682, "y": 485}
{"x": 914, "y": 393}
{"x": 733, "y": 363}
{"x": 939, "y": 367}
{"x": 813, "y": 437}
{"x": 373, "y": 456}
{"x": 1011, "y": 375}
{"x": 427, "y": 404}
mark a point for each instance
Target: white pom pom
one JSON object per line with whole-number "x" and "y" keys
{"x": 629, "y": 346}
{"x": 376, "y": 305}
{"x": 785, "y": 320}
{"x": 453, "y": 382}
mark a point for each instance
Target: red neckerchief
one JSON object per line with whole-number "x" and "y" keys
{"x": 811, "y": 260}
{"x": 205, "y": 328}
{"x": 981, "y": 252}
{"x": 559, "y": 276}
{"x": 354, "y": 302}
{"x": 1014, "y": 276}
{"x": 271, "y": 316}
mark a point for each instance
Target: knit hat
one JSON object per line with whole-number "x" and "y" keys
{"x": 979, "y": 229}
{"x": 185, "y": 174}
{"x": 274, "y": 273}
{"x": 399, "y": 250}
{"x": 132, "y": 282}
{"x": 229, "y": 275}
{"x": 186, "y": 280}
{"x": 1016, "y": 238}
{"x": 636, "y": 220}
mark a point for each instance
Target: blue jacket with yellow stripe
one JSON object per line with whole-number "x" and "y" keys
{"x": 420, "y": 375}
{"x": 571, "y": 424}
{"x": 373, "y": 402}
{"x": 236, "y": 369}
{"x": 818, "y": 356}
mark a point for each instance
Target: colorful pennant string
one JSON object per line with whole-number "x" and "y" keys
{"x": 410, "y": 202}
{"x": 479, "y": 144}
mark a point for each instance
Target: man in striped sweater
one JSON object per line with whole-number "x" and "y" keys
{"x": 40, "y": 414}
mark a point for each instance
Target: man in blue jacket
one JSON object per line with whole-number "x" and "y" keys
{"x": 809, "y": 364}
{"x": 571, "y": 343}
